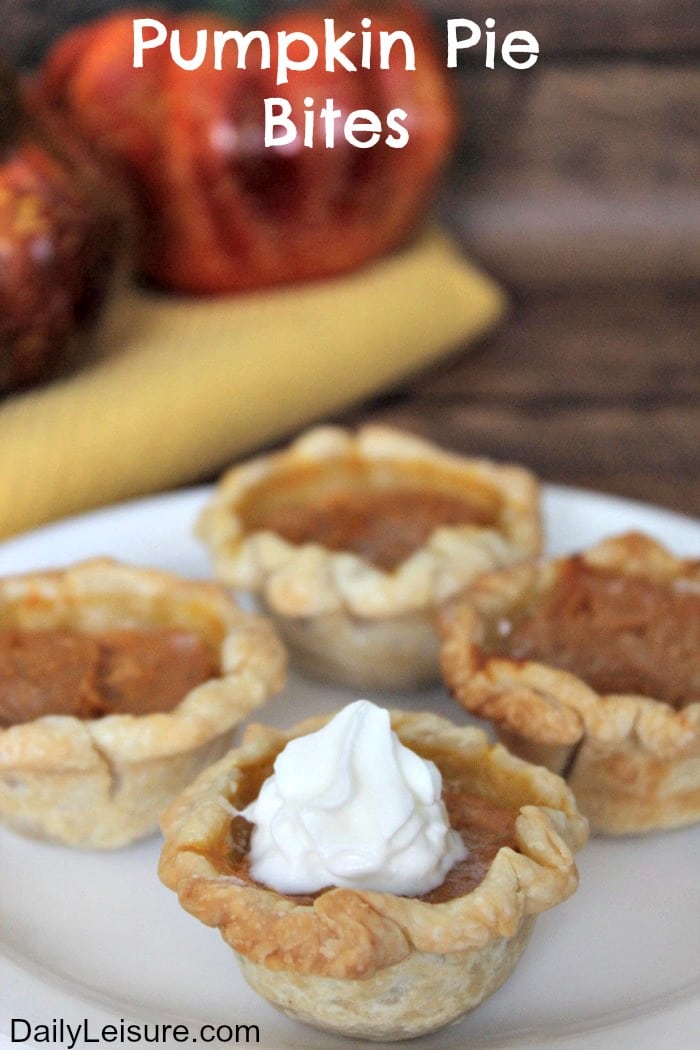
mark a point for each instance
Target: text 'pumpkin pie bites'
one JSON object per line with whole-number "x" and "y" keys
{"x": 351, "y": 541}
{"x": 117, "y": 686}
{"x": 408, "y": 866}
{"x": 591, "y": 665}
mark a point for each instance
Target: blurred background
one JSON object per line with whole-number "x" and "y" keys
{"x": 576, "y": 185}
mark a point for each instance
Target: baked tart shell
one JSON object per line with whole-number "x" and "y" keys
{"x": 375, "y": 965}
{"x": 293, "y": 529}
{"x": 102, "y": 782}
{"x": 632, "y": 759}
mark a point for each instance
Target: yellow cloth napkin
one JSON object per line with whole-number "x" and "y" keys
{"x": 181, "y": 387}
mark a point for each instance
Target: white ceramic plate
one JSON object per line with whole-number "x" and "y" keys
{"x": 95, "y": 938}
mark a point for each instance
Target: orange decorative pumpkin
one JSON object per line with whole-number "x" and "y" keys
{"x": 222, "y": 212}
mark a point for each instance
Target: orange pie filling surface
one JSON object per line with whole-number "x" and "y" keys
{"x": 484, "y": 827}
{"x": 120, "y": 671}
{"x": 383, "y": 518}
{"x": 618, "y": 633}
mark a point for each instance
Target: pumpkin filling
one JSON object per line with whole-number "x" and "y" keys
{"x": 384, "y": 526}
{"x": 126, "y": 670}
{"x": 483, "y": 826}
{"x": 618, "y": 633}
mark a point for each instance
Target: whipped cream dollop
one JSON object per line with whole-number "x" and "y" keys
{"x": 351, "y": 806}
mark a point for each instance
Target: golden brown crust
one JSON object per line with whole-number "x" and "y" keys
{"x": 327, "y": 602}
{"x": 632, "y": 761}
{"x": 103, "y": 782}
{"x": 353, "y": 934}
{"x": 411, "y": 998}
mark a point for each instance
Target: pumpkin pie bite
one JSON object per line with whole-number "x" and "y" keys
{"x": 117, "y": 686}
{"x": 591, "y": 665}
{"x": 351, "y": 541}
{"x": 377, "y": 874}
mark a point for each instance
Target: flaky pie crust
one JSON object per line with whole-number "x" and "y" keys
{"x": 103, "y": 782}
{"x": 632, "y": 762}
{"x": 371, "y": 964}
{"x": 343, "y": 618}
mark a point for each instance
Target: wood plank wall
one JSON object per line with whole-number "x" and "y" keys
{"x": 587, "y": 166}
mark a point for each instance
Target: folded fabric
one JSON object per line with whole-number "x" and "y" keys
{"x": 180, "y": 387}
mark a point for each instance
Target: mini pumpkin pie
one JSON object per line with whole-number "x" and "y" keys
{"x": 350, "y": 542}
{"x": 117, "y": 686}
{"x": 377, "y": 964}
{"x": 591, "y": 665}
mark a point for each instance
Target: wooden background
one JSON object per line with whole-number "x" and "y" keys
{"x": 576, "y": 183}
